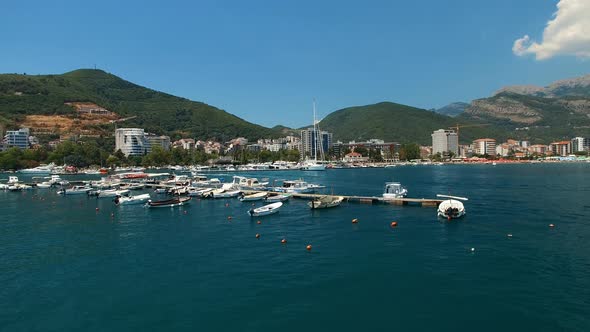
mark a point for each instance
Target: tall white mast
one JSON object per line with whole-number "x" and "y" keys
{"x": 315, "y": 132}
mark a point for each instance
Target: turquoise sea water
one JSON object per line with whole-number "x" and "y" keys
{"x": 66, "y": 267}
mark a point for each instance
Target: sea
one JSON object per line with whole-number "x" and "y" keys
{"x": 79, "y": 263}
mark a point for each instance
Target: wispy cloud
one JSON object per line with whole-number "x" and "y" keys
{"x": 568, "y": 33}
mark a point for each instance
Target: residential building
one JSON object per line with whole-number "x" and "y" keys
{"x": 185, "y": 143}
{"x": 562, "y": 148}
{"x": 485, "y": 146}
{"x": 17, "y": 138}
{"x": 309, "y": 145}
{"x": 580, "y": 144}
{"x": 354, "y": 157}
{"x": 162, "y": 141}
{"x": 131, "y": 141}
{"x": 539, "y": 149}
{"x": 445, "y": 141}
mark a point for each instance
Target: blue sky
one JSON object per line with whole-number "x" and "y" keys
{"x": 265, "y": 61}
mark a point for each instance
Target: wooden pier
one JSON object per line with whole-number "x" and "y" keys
{"x": 424, "y": 202}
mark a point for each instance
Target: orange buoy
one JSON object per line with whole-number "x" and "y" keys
{"x": 258, "y": 236}
{"x": 394, "y": 224}
{"x": 355, "y": 221}
{"x": 551, "y": 225}
{"x": 308, "y": 247}
{"x": 283, "y": 241}
{"x": 259, "y": 222}
{"x": 96, "y": 209}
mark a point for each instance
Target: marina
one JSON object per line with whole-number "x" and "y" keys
{"x": 80, "y": 243}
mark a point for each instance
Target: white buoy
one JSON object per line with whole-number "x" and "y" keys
{"x": 509, "y": 235}
{"x": 472, "y": 249}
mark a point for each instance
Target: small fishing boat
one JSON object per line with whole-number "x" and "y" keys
{"x": 75, "y": 190}
{"x": 277, "y": 198}
{"x": 130, "y": 200}
{"x": 253, "y": 197}
{"x": 451, "y": 208}
{"x": 265, "y": 210}
{"x": 177, "y": 201}
{"x": 394, "y": 190}
{"x": 325, "y": 202}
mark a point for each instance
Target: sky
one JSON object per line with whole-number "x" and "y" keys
{"x": 266, "y": 61}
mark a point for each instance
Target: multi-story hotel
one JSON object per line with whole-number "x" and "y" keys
{"x": 445, "y": 141}
{"x": 580, "y": 144}
{"x": 562, "y": 148}
{"x": 485, "y": 146}
{"x": 17, "y": 138}
{"x": 132, "y": 141}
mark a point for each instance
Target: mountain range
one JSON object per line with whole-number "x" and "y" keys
{"x": 541, "y": 114}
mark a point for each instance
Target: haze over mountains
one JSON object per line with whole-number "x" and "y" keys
{"x": 541, "y": 114}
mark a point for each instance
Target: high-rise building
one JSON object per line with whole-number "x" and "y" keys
{"x": 580, "y": 144}
{"x": 309, "y": 145}
{"x": 132, "y": 141}
{"x": 17, "y": 138}
{"x": 485, "y": 146}
{"x": 445, "y": 141}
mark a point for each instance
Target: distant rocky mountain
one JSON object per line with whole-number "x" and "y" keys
{"x": 452, "y": 109}
{"x": 578, "y": 86}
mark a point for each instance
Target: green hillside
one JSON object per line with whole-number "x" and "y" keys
{"x": 156, "y": 111}
{"x": 396, "y": 122}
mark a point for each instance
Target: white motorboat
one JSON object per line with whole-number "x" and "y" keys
{"x": 298, "y": 187}
{"x": 43, "y": 185}
{"x": 194, "y": 192}
{"x": 244, "y": 183}
{"x": 253, "y": 197}
{"x": 265, "y": 210}
{"x": 75, "y": 190}
{"x": 277, "y": 197}
{"x": 451, "y": 208}
{"x": 130, "y": 200}
{"x": 44, "y": 169}
{"x": 177, "y": 201}
{"x": 226, "y": 193}
{"x": 313, "y": 166}
{"x": 160, "y": 190}
{"x": 394, "y": 190}
{"x": 325, "y": 202}
{"x": 112, "y": 193}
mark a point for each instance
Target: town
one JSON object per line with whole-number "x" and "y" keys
{"x": 136, "y": 147}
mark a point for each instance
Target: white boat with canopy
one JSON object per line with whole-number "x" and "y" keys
{"x": 451, "y": 208}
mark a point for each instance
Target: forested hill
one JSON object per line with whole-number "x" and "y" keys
{"x": 395, "y": 122}
{"x": 157, "y": 112}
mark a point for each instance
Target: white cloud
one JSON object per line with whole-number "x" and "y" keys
{"x": 568, "y": 33}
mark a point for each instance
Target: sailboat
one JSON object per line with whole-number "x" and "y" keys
{"x": 313, "y": 165}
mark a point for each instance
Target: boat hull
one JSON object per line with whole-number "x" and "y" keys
{"x": 169, "y": 203}
{"x": 265, "y": 210}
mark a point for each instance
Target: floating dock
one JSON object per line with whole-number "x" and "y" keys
{"x": 424, "y": 202}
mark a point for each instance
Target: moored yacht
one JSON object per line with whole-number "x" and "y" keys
{"x": 394, "y": 190}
